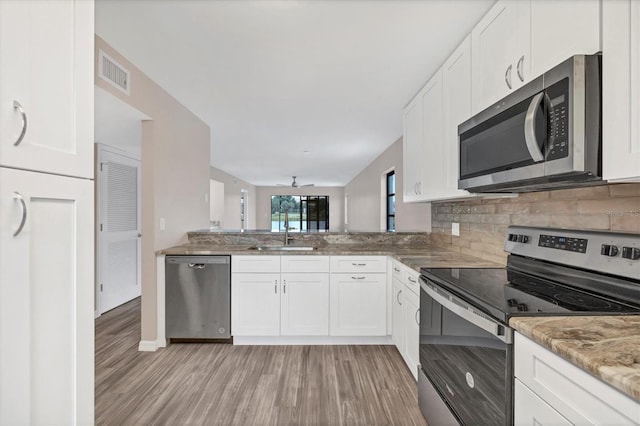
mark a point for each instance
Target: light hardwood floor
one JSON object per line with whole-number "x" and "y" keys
{"x": 217, "y": 384}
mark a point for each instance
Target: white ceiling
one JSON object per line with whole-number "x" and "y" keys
{"x": 274, "y": 79}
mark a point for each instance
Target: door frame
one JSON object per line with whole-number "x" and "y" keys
{"x": 101, "y": 150}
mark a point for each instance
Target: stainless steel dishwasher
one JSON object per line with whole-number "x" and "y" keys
{"x": 198, "y": 297}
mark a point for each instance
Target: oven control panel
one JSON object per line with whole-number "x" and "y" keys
{"x": 616, "y": 253}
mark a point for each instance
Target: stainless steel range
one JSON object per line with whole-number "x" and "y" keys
{"x": 466, "y": 350}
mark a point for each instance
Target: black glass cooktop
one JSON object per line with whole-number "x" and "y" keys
{"x": 503, "y": 293}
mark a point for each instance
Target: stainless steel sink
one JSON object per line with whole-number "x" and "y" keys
{"x": 284, "y": 248}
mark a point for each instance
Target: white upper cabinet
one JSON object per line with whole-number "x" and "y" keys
{"x": 517, "y": 41}
{"x": 46, "y": 86}
{"x": 456, "y": 84}
{"x": 621, "y": 91}
{"x": 412, "y": 150}
{"x": 561, "y": 29}
{"x": 432, "y": 132}
{"x": 500, "y": 52}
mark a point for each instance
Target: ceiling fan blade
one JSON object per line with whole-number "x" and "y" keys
{"x": 281, "y": 184}
{"x": 309, "y": 184}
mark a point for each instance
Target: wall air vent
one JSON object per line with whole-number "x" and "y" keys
{"x": 112, "y": 72}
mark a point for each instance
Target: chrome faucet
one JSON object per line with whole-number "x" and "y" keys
{"x": 287, "y": 238}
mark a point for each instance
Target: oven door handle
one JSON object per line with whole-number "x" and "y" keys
{"x": 498, "y": 330}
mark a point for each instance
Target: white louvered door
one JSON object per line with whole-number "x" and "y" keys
{"x": 118, "y": 229}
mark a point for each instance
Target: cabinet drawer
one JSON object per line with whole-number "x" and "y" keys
{"x": 304, "y": 263}
{"x": 411, "y": 280}
{"x": 359, "y": 264}
{"x": 258, "y": 264}
{"x": 397, "y": 269}
{"x": 574, "y": 393}
{"x": 530, "y": 410}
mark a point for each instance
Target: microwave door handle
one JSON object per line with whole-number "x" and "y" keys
{"x": 529, "y": 128}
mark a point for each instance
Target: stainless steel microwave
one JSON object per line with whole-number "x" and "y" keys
{"x": 545, "y": 135}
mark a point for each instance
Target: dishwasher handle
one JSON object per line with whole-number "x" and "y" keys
{"x": 197, "y": 265}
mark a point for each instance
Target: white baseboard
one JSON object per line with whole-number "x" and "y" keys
{"x": 312, "y": 340}
{"x": 148, "y": 346}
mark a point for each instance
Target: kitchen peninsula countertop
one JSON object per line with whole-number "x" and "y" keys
{"x": 608, "y": 347}
{"x": 413, "y": 256}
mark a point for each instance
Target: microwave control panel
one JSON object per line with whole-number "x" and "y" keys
{"x": 558, "y": 125}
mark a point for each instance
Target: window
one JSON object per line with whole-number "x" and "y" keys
{"x": 307, "y": 213}
{"x": 391, "y": 201}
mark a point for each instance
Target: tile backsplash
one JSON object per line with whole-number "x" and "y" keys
{"x": 483, "y": 222}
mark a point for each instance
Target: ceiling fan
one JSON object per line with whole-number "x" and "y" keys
{"x": 294, "y": 184}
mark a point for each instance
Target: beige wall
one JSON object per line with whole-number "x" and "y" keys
{"x": 365, "y": 197}
{"x": 336, "y": 203}
{"x": 232, "y": 188}
{"x": 483, "y": 223}
{"x": 175, "y": 173}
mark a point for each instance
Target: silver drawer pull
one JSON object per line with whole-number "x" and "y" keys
{"x": 398, "y": 297}
{"x": 16, "y": 105}
{"x": 412, "y": 280}
{"x": 358, "y": 264}
{"x": 358, "y": 278}
{"x": 17, "y": 196}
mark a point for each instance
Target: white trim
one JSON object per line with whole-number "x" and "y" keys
{"x": 96, "y": 314}
{"x": 160, "y": 332}
{"x": 148, "y": 346}
{"x": 312, "y": 340}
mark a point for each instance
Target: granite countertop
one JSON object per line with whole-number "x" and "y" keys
{"x": 606, "y": 346}
{"x": 413, "y": 256}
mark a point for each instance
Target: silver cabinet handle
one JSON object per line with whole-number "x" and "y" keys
{"x": 412, "y": 280}
{"x": 284, "y": 286}
{"x": 16, "y": 105}
{"x": 358, "y": 278}
{"x": 529, "y": 129}
{"x": 398, "y": 297}
{"x": 17, "y": 196}
{"x": 419, "y": 188}
{"x": 417, "y": 317}
{"x": 139, "y": 235}
{"x": 415, "y": 188}
{"x": 396, "y": 269}
{"x": 507, "y": 76}
{"x": 275, "y": 287}
{"x": 519, "y": 68}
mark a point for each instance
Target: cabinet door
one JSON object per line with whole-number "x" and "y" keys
{"x": 358, "y": 305}
{"x": 397, "y": 317}
{"x": 561, "y": 29}
{"x": 46, "y": 299}
{"x": 500, "y": 48}
{"x": 255, "y": 304}
{"x": 433, "y": 143}
{"x": 412, "y": 147}
{"x": 47, "y": 68}
{"x": 305, "y": 305}
{"x": 530, "y": 410}
{"x": 456, "y": 84}
{"x": 412, "y": 331}
{"x": 621, "y": 91}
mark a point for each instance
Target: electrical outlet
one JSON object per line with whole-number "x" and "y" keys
{"x": 163, "y": 224}
{"x": 455, "y": 229}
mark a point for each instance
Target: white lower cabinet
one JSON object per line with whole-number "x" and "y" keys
{"x": 46, "y": 299}
{"x": 304, "y": 309}
{"x": 532, "y": 410}
{"x": 397, "y": 314}
{"x": 411, "y": 338}
{"x": 574, "y": 395}
{"x": 358, "y": 304}
{"x": 255, "y": 304}
{"x": 266, "y": 302}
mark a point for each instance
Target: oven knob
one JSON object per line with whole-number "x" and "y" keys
{"x": 512, "y": 302}
{"x": 632, "y": 253}
{"x": 512, "y": 237}
{"x": 609, "y": 250}
{"x": 522, "y": 307}
{"x": 525, "y": 239}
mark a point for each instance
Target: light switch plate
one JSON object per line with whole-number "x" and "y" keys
{"x": 455, "y": 229}
{"x": 163, "y": 225}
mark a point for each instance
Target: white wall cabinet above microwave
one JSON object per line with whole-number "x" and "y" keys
{"x": 517, "y": 41}
{"x": 621, "y": 91}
